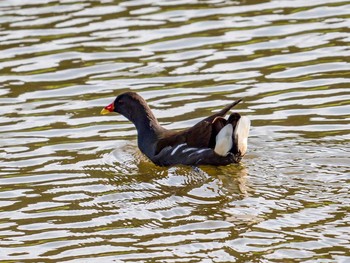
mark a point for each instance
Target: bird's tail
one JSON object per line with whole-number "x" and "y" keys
{"x": 223, "y": 112}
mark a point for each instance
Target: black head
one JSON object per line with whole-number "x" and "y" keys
{"x": 129, "y": 104}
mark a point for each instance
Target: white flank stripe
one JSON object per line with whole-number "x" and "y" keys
{"x": 176, "y": 148}
{"x": 199, "y": 151}
{"x": 202, "y": 151}
{"x": 189, "y": 149}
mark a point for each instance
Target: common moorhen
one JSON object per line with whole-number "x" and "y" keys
{"x": 212, "y": 141}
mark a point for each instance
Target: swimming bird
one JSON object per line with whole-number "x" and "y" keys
{"x": 212, "y": 141}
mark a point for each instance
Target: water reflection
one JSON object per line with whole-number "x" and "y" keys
{"x": 74, "y": 186}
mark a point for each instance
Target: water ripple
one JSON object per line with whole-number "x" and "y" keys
{"x": 74, "y": 186}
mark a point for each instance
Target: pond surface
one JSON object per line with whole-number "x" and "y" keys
{"x": 74, "y": 186}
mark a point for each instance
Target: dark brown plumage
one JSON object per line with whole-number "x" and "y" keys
{"x": 192, "y": 146}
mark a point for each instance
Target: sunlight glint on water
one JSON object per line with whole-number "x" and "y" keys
{"x": 75, "y": 188}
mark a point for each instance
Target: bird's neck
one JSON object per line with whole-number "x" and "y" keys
{"x": 145, "y": 120}
{"x": 148, "y": 131}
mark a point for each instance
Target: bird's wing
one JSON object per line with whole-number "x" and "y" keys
{"x": 197, "y": 136}
{"x": 201, "y": 135}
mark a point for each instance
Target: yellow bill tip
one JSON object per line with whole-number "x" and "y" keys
{"x": 104, "y": 111}
{"x": 108, "y": 109}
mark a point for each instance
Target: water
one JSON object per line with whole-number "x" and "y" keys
{"x": 75, "y": 188}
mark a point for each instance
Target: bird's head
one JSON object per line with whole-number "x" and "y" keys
{"x": 128, "y": 104}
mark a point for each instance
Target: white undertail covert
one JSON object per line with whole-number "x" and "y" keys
{"x": 224, "y": 141}
{"x": 241, "y": 134}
